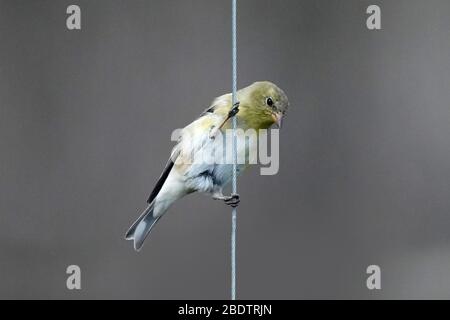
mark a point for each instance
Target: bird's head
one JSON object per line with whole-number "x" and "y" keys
{"x": 263, "y": 104}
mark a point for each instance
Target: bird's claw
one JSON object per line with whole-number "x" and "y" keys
{"x": 234, "y": 110}
{"x": 233, "y": 200}
{"x": 213, "y": 131}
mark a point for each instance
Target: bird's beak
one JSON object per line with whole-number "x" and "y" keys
{"x": 278, "y": 119}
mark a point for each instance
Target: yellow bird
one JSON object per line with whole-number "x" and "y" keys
{"x": 261, "y": 105}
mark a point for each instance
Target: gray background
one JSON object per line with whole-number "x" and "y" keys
{"x": 85, "y": 124}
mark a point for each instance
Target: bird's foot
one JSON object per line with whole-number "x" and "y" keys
{"x": 232, "y": 200}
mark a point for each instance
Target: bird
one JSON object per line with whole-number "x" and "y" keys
{"x": 260, "y": 105}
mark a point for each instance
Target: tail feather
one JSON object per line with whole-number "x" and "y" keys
{"x": 141, "y": 228}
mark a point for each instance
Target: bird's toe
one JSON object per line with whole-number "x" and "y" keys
{"x": 233, "y": 200}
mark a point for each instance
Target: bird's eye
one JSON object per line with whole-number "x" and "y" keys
{"x": 269, "y": 102}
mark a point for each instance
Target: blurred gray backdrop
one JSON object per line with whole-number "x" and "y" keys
{"x": 85, "y": 124}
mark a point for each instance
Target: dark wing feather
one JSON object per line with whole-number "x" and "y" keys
{"x": 161, "y": 181}
{"x": 208, "y": 110}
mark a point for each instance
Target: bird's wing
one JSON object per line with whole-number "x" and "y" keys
{"x": 195, "y": 138}
{"x": 218, "y": 105}
{"x": 198, "y": 152}
{"x": 194, "y": 141}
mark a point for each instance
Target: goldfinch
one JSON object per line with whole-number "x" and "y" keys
{"x": 260, "y": 106}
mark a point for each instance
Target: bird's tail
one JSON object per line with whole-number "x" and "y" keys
{"x": 142, "y": 226}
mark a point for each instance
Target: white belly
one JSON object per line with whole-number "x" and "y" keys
{"x": 213, "y": 166}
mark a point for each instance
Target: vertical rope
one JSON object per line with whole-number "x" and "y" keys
{"x": 234, "y": 181}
